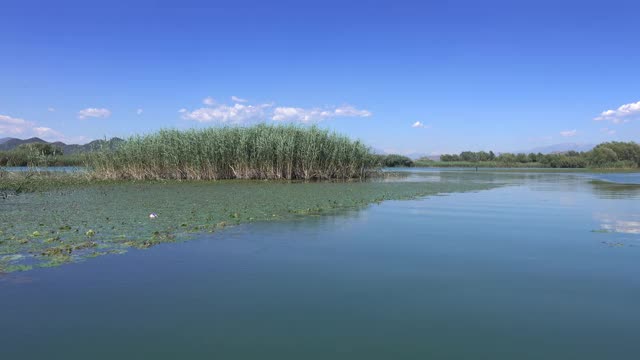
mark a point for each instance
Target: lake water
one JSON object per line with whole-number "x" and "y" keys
{"x": 546, "y": 267}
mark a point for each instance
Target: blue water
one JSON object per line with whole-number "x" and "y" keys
{"x": 619, "y": 178}
{"x": 545, "y": 267}
{"x": 613, "y": 177}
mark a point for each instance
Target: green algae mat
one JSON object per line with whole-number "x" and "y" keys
{"x": 58, "y": 226}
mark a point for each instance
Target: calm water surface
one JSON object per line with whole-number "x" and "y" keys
{"x": 547, "y": 267}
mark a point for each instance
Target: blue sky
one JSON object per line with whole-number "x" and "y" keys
{"x": 470, "y": 75}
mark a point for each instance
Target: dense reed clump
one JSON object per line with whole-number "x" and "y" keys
{"x": 256, "y": 152}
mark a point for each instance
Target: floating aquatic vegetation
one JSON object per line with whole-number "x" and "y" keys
{"x": 90, "y": 221}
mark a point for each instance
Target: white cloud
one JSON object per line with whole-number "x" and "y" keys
{"x": 94, "y": 112}
{"x": 225, "y": 114}
{"x": 46, "y": 132}
{"x": 608, "y": 131}
{"x": 139, "y": 111}
{"x": 622, "y": 114}
{"x": 240, "y": 112}
{"x": 208, "y": 101}
{"x": 51, "y": 109}
{"x": 13, "y": 126}
{"x": 24, "y": 128}
{"x": 418, "y": 124}
{"x": 350, "y": 111}
{"x": 568, "y": 133}
{"x": 302, "y": 115}
{"x": 298, "y": 114}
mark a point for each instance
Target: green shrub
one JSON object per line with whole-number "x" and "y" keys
{"x": 395, "y": 160}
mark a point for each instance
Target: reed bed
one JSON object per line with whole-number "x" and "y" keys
{"x": 257, "y": 152}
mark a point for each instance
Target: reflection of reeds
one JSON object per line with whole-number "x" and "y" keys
{"x": 257, "y": 152}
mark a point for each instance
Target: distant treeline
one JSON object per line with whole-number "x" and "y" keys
{"x": 39, "y": 154}
{"x": 395, "y": 160}
{"x": 606, "y": 155}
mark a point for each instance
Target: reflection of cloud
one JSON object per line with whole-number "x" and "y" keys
{"x": 621, "y": 226}
{"x": 625, "y": 226}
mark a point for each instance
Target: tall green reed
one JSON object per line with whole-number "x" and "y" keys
{"x": 256, "y": 152}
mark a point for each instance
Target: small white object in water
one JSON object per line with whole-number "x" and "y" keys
{"x": 153, "y": 216}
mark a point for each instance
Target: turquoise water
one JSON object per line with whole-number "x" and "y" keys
{"x": 543, "y": 268}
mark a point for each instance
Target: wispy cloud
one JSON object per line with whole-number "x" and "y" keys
{"x": 314, "y": 115}
{"x": 240, "y": 112}
{"x": 608, "y": 131}
{"x": 350, "y": 111}
{"x": 24, "y": 128}
{"x": 225, "y": 114}
{"x": 569, "y": 133}
{"x": 94, "y": 113}
{"x": 13, "y": 126}
{"x": 622, "y": 114}
{"x": 418, "y": 124}
{"x": 208, "y": 101}
{"x": 139, "y": 111}
{"x": 51, "y": 109}
{"x": 46, "y": 132}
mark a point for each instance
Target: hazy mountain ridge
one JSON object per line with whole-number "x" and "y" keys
{"x": 560, "y": 148}
{"x": 12, "y": 143}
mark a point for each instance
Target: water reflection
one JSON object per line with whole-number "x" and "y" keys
{"x": 607, "y": 190}
{"x": 626, "y": 224}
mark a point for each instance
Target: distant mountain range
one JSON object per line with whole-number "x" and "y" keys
{"x": 560, "y": 148}
{"x": 12, "y": 143}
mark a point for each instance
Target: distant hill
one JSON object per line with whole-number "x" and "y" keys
{"x": 412, "y": 155}
{"x": 12, "y": 143}
{"x": 561, "y": 148}
{"x": 431, "y": 157}
{"x": 416, "y": 155}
